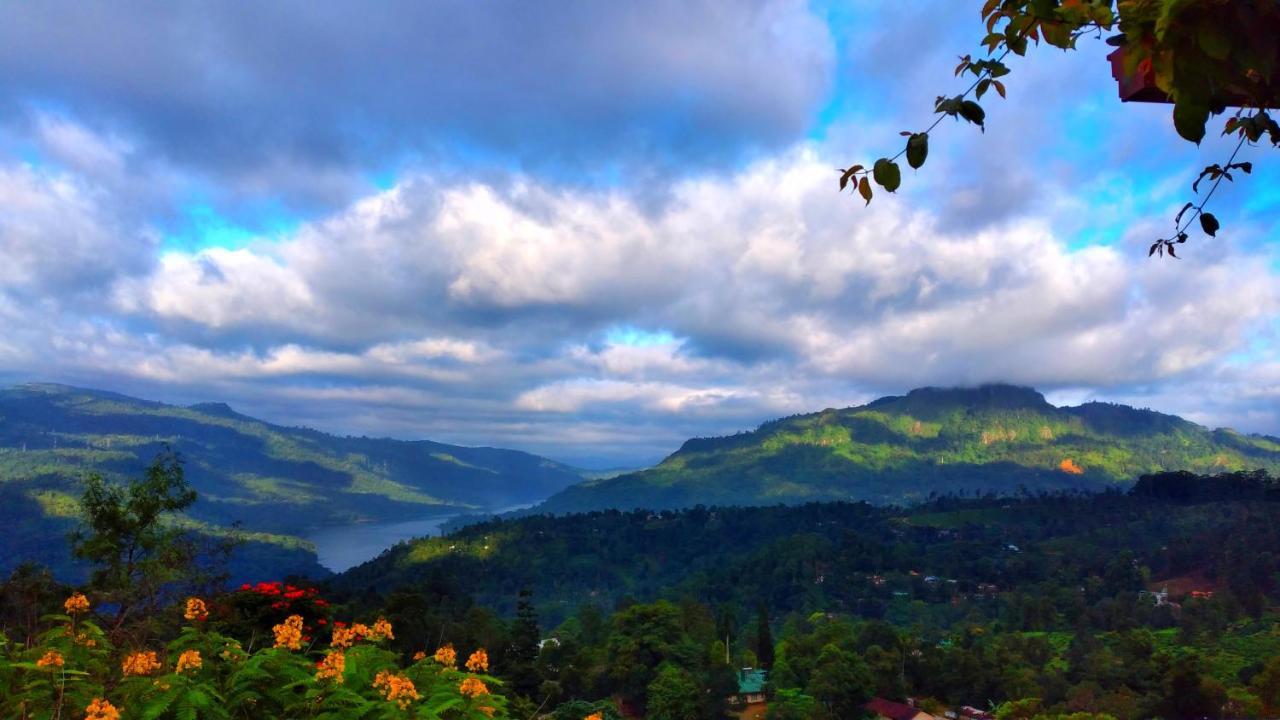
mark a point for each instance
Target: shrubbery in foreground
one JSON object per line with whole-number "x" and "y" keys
{"x": 74, "y": 671}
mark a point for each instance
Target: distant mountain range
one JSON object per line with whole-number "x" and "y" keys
{"x": 277, "y": 481}
{"x": 902, "y": 449}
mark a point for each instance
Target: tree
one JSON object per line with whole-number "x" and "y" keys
{"x": 674, "y": 695}
{"x": 1202, "y": 56}
{"x": 136, "y": 555}
{"x": 840, "y": 683}
{"x": 791, "y": 704}
{"x": 525, "y": 640}
{"x": 764, "y": 639}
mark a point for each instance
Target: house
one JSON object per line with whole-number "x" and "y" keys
{"x": 751, "y": 686}
{"x": 889, "y": 710}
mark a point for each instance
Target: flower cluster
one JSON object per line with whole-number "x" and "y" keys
{"x": 332, "y": 666}
{"x": 53, "y": 658}
{"x": 479, "y": 661}
{"x": 140, "y": 663}
{"x": 100, "y": 709}
{"x": 396, "y": 688}
{"x": 594, "y": 716}
{"x": 447, "y": 656}
{"x": 284, "y": 595}
{"x": 232, "y": 652}
{"x": 76, "y": 604}
{"x": 419, "y": 656}
{"x": 189, "y": 660}
{"x": 343, "y": 636}
{"x": 473, "y": 687}
{"x": 381, "y": 630}
{"x": 196, "y": 610}
{"x": 289, "y": 633}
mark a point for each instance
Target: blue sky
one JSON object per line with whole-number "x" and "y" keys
{"x": 597, "y": 229}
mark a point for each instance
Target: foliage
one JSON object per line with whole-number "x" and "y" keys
{"x": 1202, "y": 55}
{"x": 202, "y": 673}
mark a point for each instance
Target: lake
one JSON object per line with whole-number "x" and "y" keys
{"x": 341, "y": 547}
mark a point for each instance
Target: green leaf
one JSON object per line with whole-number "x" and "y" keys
{"x": 1213, "y": 42}
{"x": 917, "y": 149}
{"x": 887, "y": 174}
{"x": 1209, "y": 224}
{"x": 1189, "y": 119}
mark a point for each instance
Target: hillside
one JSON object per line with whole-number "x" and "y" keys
{"x": 825, "y": 556}
{"x": 275, "y": 480}
{"x": 902, "y": 449}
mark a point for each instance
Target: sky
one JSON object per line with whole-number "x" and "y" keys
{"x": 593, "y": 230}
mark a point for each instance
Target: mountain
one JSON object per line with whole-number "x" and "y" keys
{"x": 902, "y": 449}
{"x": 279, "y": 482}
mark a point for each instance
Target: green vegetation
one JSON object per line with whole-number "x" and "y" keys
{"x": 931, "y": 441}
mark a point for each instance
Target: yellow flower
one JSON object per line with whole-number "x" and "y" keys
{"x": 381, "y": 630}
{"x": 289, "y": 633}
{"x": 76, "y": 604}
{"x": 140, "y": 663}
{"x": 396, "y": 688}
{"x": 196, "y": 609}
{"x": 332, "y": 666}
{"x": 53, "y": 658}
{"x": 100, "y": 709}
{"x": 419, "y": 656}
{"x": 473, "y": 687}
{"x": 479, "y": 661}
{"x": 361, "y": 630}
{"x": 447, "y": 656}
{"x": 189, "y": 660}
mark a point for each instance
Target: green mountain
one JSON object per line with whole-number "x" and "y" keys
{"x": 279, "y": 482}
{"x": 932, "y": 440}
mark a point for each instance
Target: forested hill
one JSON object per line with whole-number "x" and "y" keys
{"x": 273, "y": 479}
{"x": 903, "y": 449}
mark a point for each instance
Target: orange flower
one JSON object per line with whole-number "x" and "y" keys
{"x": 140, "y": 663}
{"x": 361, "y": 630}
{"x": 289, "y": 633}
{"x": 196, "y": 610}
{"x": 419, "y": 656}
{"x": 189, "y": 660}
{"x": 53, "y": 658}
{"x": 473, "y": 687}
{"x": 479, "y": 661}
{"x": 447, "y": 656}
{"x": 343, "y": 637}
{"x": 76, "y": 604}
{"x": 100, "y": 709}
{"x": 332, "y": 666}
{"x": 594, "y": 716}
{"x": 396, "y": 688}
{"x": 381, "y": 630}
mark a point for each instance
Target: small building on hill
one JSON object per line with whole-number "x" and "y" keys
{"x": 751, "y": 686}
{"x": 882, "y": 709}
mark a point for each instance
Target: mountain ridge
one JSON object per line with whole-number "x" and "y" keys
{"x": 903, "y": 448}
{"x": 279, "y": 481}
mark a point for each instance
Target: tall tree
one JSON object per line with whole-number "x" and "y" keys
{"x": 525, "y": 641}
{"x": 136, "y": 555}
{"x": 764, "y": 638}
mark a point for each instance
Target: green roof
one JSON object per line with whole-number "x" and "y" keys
{"x": 751, "y": 681}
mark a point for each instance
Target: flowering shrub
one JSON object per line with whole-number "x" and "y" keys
{"x": 73, "y": 671}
